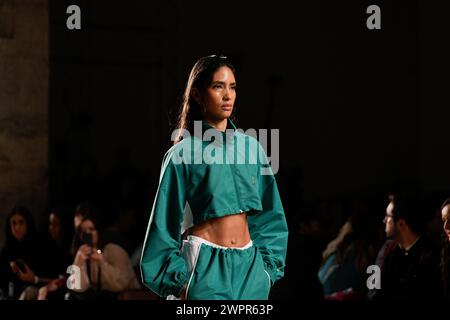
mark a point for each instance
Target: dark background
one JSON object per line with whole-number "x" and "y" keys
{"x": 361, "y": 112}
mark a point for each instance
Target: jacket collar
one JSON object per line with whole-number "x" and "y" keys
{"x": 230, "y": 129}
{"x": 230, "y": 125}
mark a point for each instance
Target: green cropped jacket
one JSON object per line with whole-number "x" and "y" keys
{"x": 226, "y": 174}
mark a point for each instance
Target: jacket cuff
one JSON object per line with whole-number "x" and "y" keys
{"x": 272, "y": 275}
{"x": 178, "y": 288}
{"x": 274, "y": 272}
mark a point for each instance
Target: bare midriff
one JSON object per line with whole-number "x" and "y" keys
{"x": 228, "y": 231}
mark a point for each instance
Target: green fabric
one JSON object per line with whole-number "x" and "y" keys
{"x": 212, "y": 190}
{"x": 229, "y": 274}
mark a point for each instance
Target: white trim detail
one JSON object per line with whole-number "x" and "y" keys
{"x": 188, "y": 218}
{"x": 268, "y": 276}
{"x": 191, "y": 255}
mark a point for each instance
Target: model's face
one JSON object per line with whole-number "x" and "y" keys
{"x": 218, "y": 98}
{"x": 389, "y": 221}
{"x": 18, "y": 226}
{"x": 445, "y": 213}
{"x": 87, "y": 226}
{"x": 54, "y": 226}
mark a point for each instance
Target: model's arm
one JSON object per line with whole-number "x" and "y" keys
{"x": 268, "y": 228}
{"x": 163, "y": 270}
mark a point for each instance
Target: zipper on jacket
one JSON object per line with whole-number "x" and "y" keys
{"x": 234, "y": 181}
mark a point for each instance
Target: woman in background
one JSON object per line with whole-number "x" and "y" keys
{"x": 25, "y": 261}
{"x": 445, "y": 253}
{"x": 105, "y": 270}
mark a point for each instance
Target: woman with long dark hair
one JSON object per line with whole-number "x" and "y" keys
{"x": 343, "y": 272}
{"x": 217, "y": 229}
{"x": 445, "y": 254}
{"x": 23, "y": 259}
{"x": 105, "y": 268}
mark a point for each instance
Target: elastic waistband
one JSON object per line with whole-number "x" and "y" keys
{"x": 201, "y": 240}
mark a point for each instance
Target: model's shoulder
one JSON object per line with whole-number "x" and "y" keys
{"x": 176, "y": 148}
{"x": 181, "y": 151}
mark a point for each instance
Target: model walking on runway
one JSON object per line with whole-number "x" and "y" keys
{"x": 217, "y": 228}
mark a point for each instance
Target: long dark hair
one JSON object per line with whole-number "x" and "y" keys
{"x": 445, "y": 256}
{"x": 77, "y": 237}
{"x": 31, "y": 227}
{"x": 66, "y": 226}
{"x": 363, "y": 237}
{"x": 199, "y": 78}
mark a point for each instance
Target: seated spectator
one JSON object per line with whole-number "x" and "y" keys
{"x": 104, "y": 270}
{"x": 384, "y": 251}
{"x": 346, "y": 258}
{"x": 121, "y": 231}
{"x": 411, "y": 269}
{"x": 58, "y": 232}
{"x": 25, "y": 261}
{"x": 81, "y": 210}
{"x": 445, "y": 253}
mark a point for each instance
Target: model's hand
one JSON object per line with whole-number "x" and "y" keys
{"x": 183, "y": 293}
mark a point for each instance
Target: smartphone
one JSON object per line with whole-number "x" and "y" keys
{"x": 21, "y": 265}
{"x": 86, "y": 238}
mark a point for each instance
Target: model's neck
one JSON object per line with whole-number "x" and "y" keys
{"x": 220, "y": 125}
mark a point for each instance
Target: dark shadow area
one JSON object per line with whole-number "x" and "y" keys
{"x": 361, "y": 113}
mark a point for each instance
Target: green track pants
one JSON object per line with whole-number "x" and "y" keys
{"x": 221, "y": 273}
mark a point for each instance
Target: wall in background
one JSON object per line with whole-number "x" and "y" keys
{"x": 24, "y": 72}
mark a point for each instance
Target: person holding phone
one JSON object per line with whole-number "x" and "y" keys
{"x": 24, "y": 261}
{"x": 104, "y": 269}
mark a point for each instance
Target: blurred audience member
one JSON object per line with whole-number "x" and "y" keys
{"x": 346, "y": 258}
{"x": 104, "y": 270}
{"x": 411, "y": 269}
{"x": 58, "y": 231}
{"x": 445, "y": 253}
{"x": 25, "y": 261}
{"x": 81, "y": 210}
{"x": 122, "y": 230}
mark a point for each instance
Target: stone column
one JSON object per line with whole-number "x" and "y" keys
{"x": 24, "y": 73}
